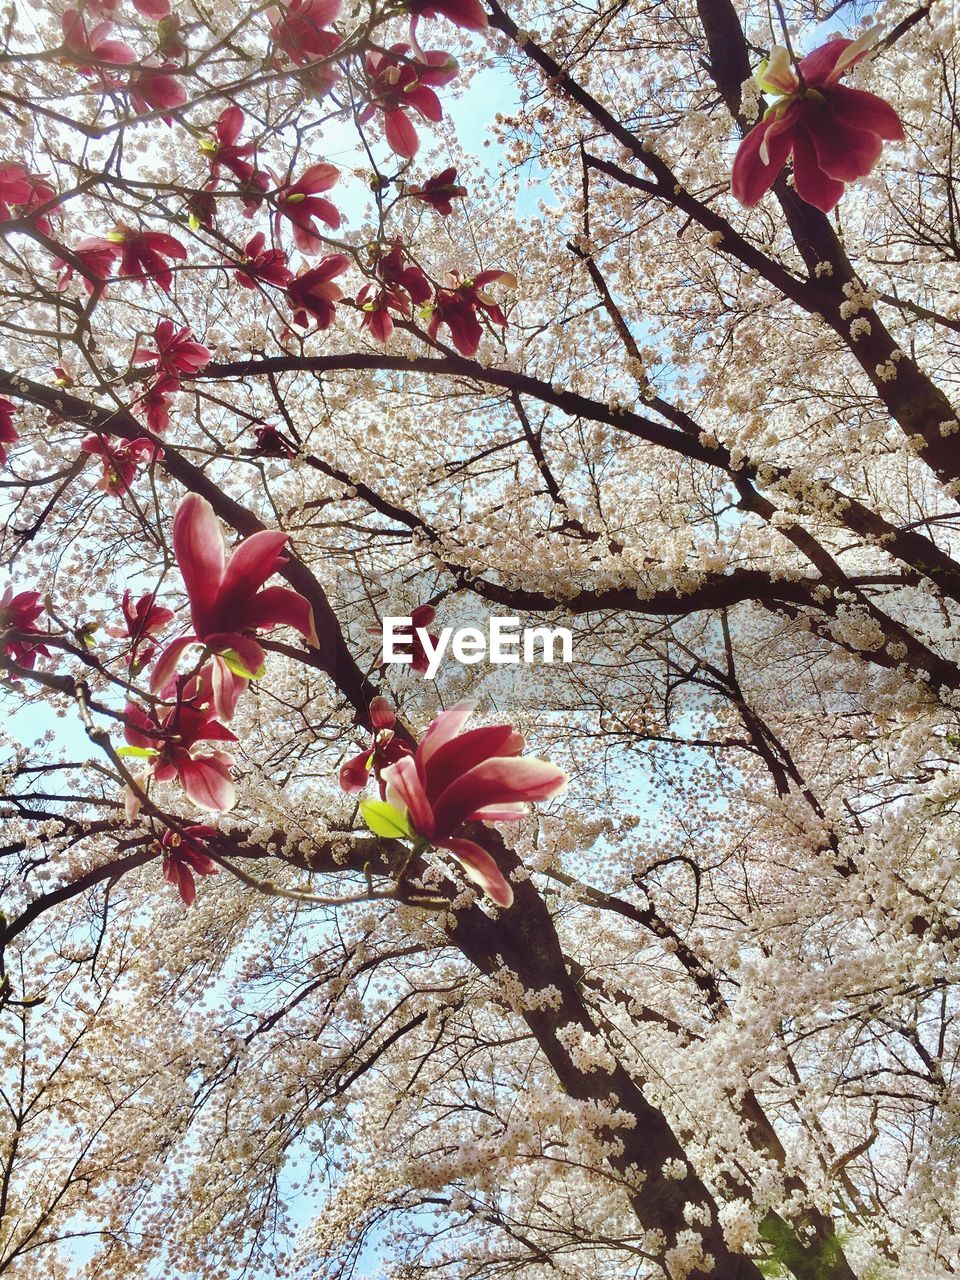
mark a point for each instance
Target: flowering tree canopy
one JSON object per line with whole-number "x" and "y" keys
{"x": 632, "y": 320}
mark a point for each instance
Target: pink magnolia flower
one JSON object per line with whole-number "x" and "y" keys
{"x": 313, "y": 292}
{"x": 120, "y": 460}
{"x": 154, "y": 403}
{"x": 457, "y": 305}
{"x": 153, "y": 86}
{"x": 95, "y": 257}
{"x": 8, "y": 432}
{"x": 19, "y": 613}
{"x": 223, "y": 151}
{"x": 398, "y": 84}
{"x": 385, "y": 749}
{"x": 228, "y": 601}
{"x": 177, "y": 352}
{"x": 439, "y": 190}
{"x": 267, "y": 266}
{"x": 402, "y": 283}
{"x": 474, "y": 777}
{"x": 184, "y": 857}
{"x": 22, "y": 190}
{"x": 299, "y": 202}
{"x": 299, "y": 27}
{"x": 834, "y": 134}
{"x": 142, "y": 621}
{"x": 143, "y": 256}
{"x": 87, "y": 50}
{"x": 172, "y": 741}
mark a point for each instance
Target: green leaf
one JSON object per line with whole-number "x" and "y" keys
{"x": 141, "y": 753}
{"x": 235, "y": 664}
{"x": 384, "y": 820}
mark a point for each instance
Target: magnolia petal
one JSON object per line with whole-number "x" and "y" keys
{"x": 461, "y": 754}
{"x": 255, "y": 560}
{"x": 206, "y": 780}
{"x": 495, "y": 782}
{"x": 319, "y": 177}
{"x": 282, "y": 607}
{"x": 198, "y": 546}
{"x": 355, "y": 773}
{"x": 752, "y": 177}
{"x": 500, "y": 813}
{"x": 227, "y": 689}
{"x": 777, "y": 75}
{"x": 843, "y": 152}
{"x": 480, "y": 868}
{"x": 381, "y": 713}
{"x": 402, "y": 138}
{"x": 441, "y": 730}
{"x": 405, "y": 790}
{"x": 230, "y": 125}
{"x": 166, "y": 664}
{"x": 856, "y": 51}
{"x": 820, "y": 67}
{"x": 866, "y": 111}
{"x": 813, "y": 185}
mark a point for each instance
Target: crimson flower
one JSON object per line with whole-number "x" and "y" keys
{"x": 20, "y": 189}
{"x": 400, "y": 284}
{"x": 120, "y": 460}
{"x": 474, "y": 777}
{"x": 457, "y": 305}
{"x": 95, "y": 258}
{"x": 313, "y": 292}
{"x": 222, "y": 151}
{"x": 228, "y": 601}
{"x": 299, "y": 202}
{"x": 834, "y": 134}
{"x": 268, "y": 266}
{"x": 144, "y": 619}
{"x": 19, "y": 613}
{"x": 298, "y": 28}
{"x": 170, "y": 743}
{"x": 85, "y": 50}
{"x": 154, "y": 87}
{"x": 385, "y": 749}
{"x": 154, "y": 403}
{"x": 8, "y": 432}
{"x": 143, "y": 255}
{"x": 439, "y": 190}
{"x": 177, "y": 352}
{"x": 183, "y": 857}
{"x": 399, "y": 84}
